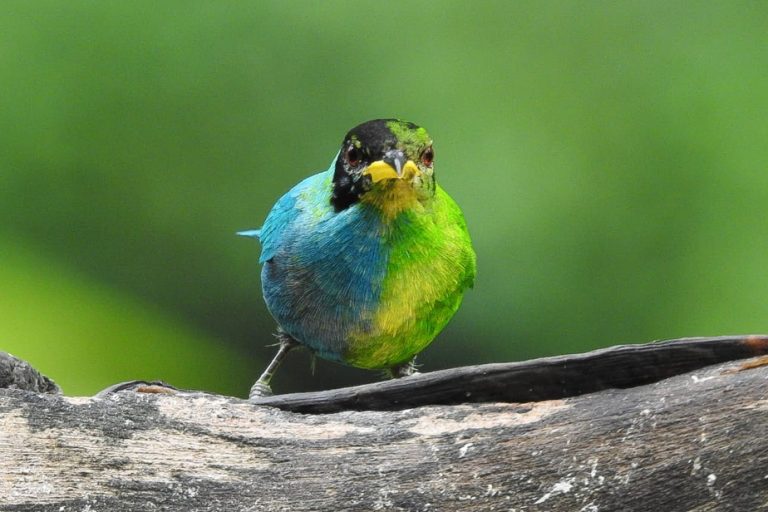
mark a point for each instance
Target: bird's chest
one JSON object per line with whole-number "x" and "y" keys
{"x": 336, "y": 275}
{"x": 366, "y": 254}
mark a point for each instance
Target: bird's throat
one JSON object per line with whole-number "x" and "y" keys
{"x": 394, "y": 197}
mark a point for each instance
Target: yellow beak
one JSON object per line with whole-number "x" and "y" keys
{"x": 381, "y": 170}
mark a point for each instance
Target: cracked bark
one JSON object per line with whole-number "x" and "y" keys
{"x": 691, "y": 441}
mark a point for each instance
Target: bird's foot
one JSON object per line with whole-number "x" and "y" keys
{"x": 404, "y": 370}
{"x": 259, "y": 390}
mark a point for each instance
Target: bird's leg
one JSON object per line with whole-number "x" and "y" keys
{"x": 404, "y": 369}
{"x": 261, "y": 387}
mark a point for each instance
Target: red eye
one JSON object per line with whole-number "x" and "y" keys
{"x": 353, "y": 156}
{"x": 428, "y": 157}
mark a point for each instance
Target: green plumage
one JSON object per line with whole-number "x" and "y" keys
{"x": 366, "y": 262}
{"x": 430, "y": 264}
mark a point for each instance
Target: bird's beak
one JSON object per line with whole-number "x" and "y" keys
{"x": 393, "y": 166}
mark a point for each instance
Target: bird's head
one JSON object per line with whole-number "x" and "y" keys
{"x": 384, "y": 162}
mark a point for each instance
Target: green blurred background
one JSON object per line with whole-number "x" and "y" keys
{"x": 610, "y": 158}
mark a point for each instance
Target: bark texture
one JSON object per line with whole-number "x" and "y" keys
{"x": 18, "y": 374}
{"x": 695, "y": 441}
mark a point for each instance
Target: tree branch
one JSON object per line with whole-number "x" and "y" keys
{"x": 695, "y": 441}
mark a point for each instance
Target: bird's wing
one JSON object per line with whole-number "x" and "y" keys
{"x": 285, "y": 212}
{"x": 453, "y": 216}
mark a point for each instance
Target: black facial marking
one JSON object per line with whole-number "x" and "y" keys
{"x": 363, "y": 144}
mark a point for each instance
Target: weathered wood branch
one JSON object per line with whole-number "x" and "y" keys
{"x": 546, "y": 378}
{"x": 18, "y": 374}
{"x": 695, "y": 441}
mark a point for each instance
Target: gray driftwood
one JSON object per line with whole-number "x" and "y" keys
{"x": 695, "y": 441}
{"x": 18, "y": 374}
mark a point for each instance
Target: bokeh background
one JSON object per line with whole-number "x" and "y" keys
{"x": 611, "y": 159}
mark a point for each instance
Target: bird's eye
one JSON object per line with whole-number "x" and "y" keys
{"x": 428, "y": 156}
{"x": 353, "y": 156}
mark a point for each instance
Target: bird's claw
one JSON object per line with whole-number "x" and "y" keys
{"x": 259, "y": 390}
{"x": 404, "y": 370}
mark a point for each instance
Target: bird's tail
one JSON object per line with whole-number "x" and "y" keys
{"x": 252, "y": 233}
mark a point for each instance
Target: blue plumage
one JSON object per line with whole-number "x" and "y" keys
{"x": 251, "y": 233}
{"x": 323, "y": 270}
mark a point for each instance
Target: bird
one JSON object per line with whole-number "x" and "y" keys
{"x": 366, "y": 262}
